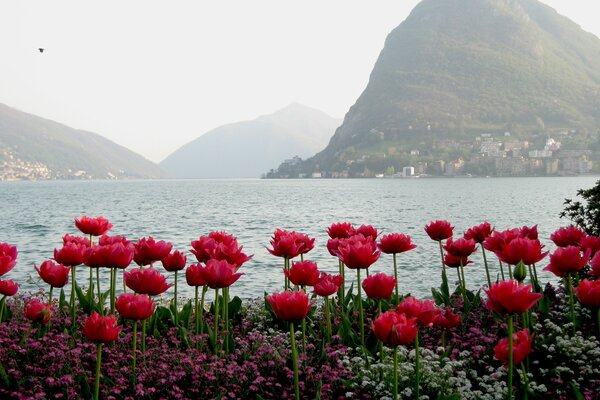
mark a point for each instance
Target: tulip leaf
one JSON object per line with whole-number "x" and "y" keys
{"x": 84, "y": 299}
{"x": 185, "y": 313}
{"x": 62, "y": 302}
{"x": 576, "y": 392}
{"x": 235, "y": 305}
{"x": 440, "y": 298}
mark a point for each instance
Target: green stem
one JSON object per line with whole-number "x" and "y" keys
{"x": 50, "y": 295}
{"x": 216, "y": 330}
{"x": 501, "y": 270}
{"x": 464, "y": 282}
{"x": 571, "y": 303}
{"x": 343, "y": 268}
{"x": 526, "y": 380}
{"x": 597, "y": 312}
{"x": 286, "y": 266}
{"x": 2, "y": 305}
{"x": 395, "y": 372}
{"x": 196, "y": 311}
{"x": 98, "y": 361}
{"x": 510, "y": 272}
{"x": 417, "y": 367}
{"x": 459, "y": 279}
{"x": 444, "y": 334}
{"x": 395, "y": 276}
{"x": 175, "y": 314}
{"x": 360, "y": 311}
{"x": 144, "y": 340}
{"x": 226, "y": 314}
{"x": 113, "y": 289}
{"x": 327, "y": 319}
{"x": 510, "y": 357}
{"x": 133, "y": 376}
{"x": 536, "y": 277}
{"x": 72, "y": 299}
{"x": 341, "y": 289}
{"x": 99, "y": 293}
{"x": 532, "y": 279}
{"x": 304, "y": 335}
{"x": 124, "y": 284}
{"x": 445, "y": 288}
{"x": 294, "y": 361}
{"x": 487, "y": 271}
{"x": 91, "y": 288}
{"x": 201, "y": 319}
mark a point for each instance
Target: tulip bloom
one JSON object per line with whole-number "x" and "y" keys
{"x": 290, "y": 305}
{"x": 8, "y": 288}
{"x": 8, "y": 257}
{"x": 286, "y": 244}
{"x": 203, "y": 248}
{"x": 566, "y": 260}
{"x": 175, "y": 262}
{"x": 71, "y": 254}
{"x": 368, "y": 231}
{"x": 510, "y": 297}
{"x": 93, "y": 226}
{"x": 595, "y": 264}
{"x": 219, "y": 274}
{"x": 591, "y": 243}
{"x": 340, "y": 230}
{"x": 521, "y": 348}
{"x": 379, "y": 286}
{"x": 137, "y": 307}
{"x": 523, "y": 250}
{"x": 327, "y": 284}
{"x": 147, "y": 251}
{"x": 455, "y": 262}
{"x": 79, "y": 240}
{"x": 146, "y": 281}
{"x": 460, "y": 247}
{"x": 303, "y": 273}
{"x": 358, "y": 252}
{"x": 424, "y": 311}
{"x": 479, "y": 233}
{"x": 569, "y": 236}
{"x": 100, "y": 330}
{"x": 395, "y": 243}
{"x": 37, "y": 311}
{"x": 588, "y": 293}
{"x": 439, "y": 230}
{"x": 56, "y": 275}
{"x": 447, "y": 319}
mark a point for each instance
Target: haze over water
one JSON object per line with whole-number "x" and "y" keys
{"x": 35, "y": 215}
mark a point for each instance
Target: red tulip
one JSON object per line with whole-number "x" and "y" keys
{"x": 8, "y": 257}
{"x": 439, "y": 230}
{"x": 595, "y": 264}
{"x": 116, "y": 255}
{"x": 358, "y": 252}
{"x": 367, "y": 231}
{"x": 521, "y": 249}
{"x": 174, "y": 261}
{"x": 591, "y": 243}
{"x": 290, "y": 305}
{"x": 394, "y": 328}
{"x": 424, "y": 311}
{"x": 460, "y": 247}
{"x": 511, "y": 297}
{"x": 588, "y": 293}
{"x": 72, "y": 254}
{"x": 135, "y": 306}
{"x": 569, "y": 236}
{"x": 328, "y": 284}
{"x": 219, "y": 274}
{"x": 284, "y": 244}
{"x": 101, "y": 329}
{"x": 93, "y": 226}
{"x": 231, "y": 253}
{"x": 194, "y": 275}
{"x": 333, "y": 246}
{"x": 498, "y": 240}
{"x": 147, "y": 250}
{"x": 108, "y": 240}
{"x": 454, "y": 262}
{"x": 529, "y": 232}
{"x": 446, "y": 319}
{"x": 303, "y": 273}
{"x": 146, "y": 281}
{"x": 203, "y": 248}
{"x": 56, "y": 275}
{"x": 340, "y": 230}
{"x": 37, "y": 311}
{"x": 79, "y": 240}
{"x": 307, "y": 243}
{"x": 521, "y": 347}
{"x": 395, "y": 243}
{"x": 479, "y": 232}
{"x": 8, "y": 287}
{"x": 566, "y": 260}
{"x": 379, "y": 286}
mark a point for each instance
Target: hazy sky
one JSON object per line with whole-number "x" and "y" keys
{"x": 154, "y": 75}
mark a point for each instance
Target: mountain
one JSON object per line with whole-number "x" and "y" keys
{"x": 457, "y": 69}
{"x": 250, "y": 148}
{"x": 32, "y": 147}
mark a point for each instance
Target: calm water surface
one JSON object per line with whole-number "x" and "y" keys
{"x": 35, "y": 215}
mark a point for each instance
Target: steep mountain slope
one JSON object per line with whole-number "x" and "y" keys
{"x": 457, "y": 68}
{"x": 250, "y": 148}
{"x": 36, "y": 148}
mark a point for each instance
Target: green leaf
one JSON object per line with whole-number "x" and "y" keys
{"x": 235, "y": 305}
{"x": 185, "y": 313}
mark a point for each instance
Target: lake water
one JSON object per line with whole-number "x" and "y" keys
{"x": 35, "y": 215}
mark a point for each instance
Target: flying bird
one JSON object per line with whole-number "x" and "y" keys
{"x": 41, "y": 50}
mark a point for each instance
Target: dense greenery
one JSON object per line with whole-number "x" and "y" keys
{"x": 585, "y": 215}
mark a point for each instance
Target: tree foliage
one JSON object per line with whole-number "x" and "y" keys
{"x": 585, "y": 215}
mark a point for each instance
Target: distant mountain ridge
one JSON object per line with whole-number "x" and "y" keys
{"x": 250, "y": 148}
{"x": 32, "y": 147}
{"x": 455, "y": 69}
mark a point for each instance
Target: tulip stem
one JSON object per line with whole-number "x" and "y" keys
{"x": 445, "y": 288}
{"x": 101, "y": 306}
{"x": 597, "y": 312}
{"x": 569, "y": 287}
{"x": 175, "y": 313}
{"x": 487, "y": 271}
{"x": 226, "y": 315}
{"x": 50, "y": 295}
{"x": 342, "y": 287}
{"x": 502, "y": 270}
{"x": 536, "y": 277}
{"x": 294, "y": 361}
{"x": 2, "y": 305}
{"x": 525, "y": 380}
{"x": 360, "y": 311}
{"x": 395, "y": 276}
{"x": 144, "y": 340}
{"x": 91, "y": 288}
{"x": 417, "y": 366}
{"x": 327, "y": 319}
{"x": 196, "y": 311}
{"x": 113, "y": 289}
{"x": 72, "y": 300}
{"x": 135, "y": 324}
{"x": 216, "y": 330}
{"x": 201, "y": 319}
{"x": 464, "y": 282}
{"x": 304, "y": 335}
{"x": 124, "y": 283}
{"x": 510, "y": 272}
{"x": 98, "y": 361}
{"x": 510, "y": 357}
{"x": 395, "y": 372}
{"x": 286, "y": 266}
